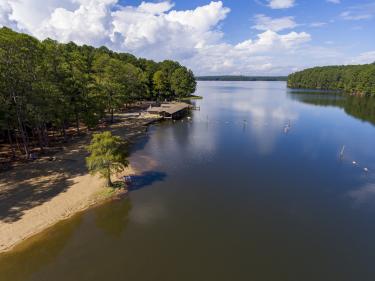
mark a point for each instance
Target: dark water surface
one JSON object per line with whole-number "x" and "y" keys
{"x": 229, "y": 196}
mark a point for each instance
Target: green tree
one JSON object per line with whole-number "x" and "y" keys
{"x": 161, "y": 85}
{"x": 19, "y": 58}
{"x": 47, "y": 87}
{"x": 108, "y": 155}
{"x": 183, "y": 82}
{"x": 352, "y": 79}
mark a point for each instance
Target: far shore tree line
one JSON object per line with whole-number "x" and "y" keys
{"x": 47, "y": 87}
{"x": 351, "y": 79}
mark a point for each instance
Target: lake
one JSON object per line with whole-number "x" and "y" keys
{"x": 253, "y": 187}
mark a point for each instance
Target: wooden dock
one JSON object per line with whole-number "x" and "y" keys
{"x": 172, "y": 110}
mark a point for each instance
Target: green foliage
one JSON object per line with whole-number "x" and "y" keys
{"x": 183, "y": 82}
{"x": 108, "y": 155}
{"x": 51, "y": 86}
{"x": 352, "y": 79}
{"x": 161, "y": 84}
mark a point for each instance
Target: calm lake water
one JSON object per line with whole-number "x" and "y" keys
{"x": 230, "y": 196}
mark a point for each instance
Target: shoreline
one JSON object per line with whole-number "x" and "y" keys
{"x": 43, "y": 193}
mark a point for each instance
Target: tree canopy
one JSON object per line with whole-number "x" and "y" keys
{"x": 352, "y": 79}
{"x": 46, "y": 86}
{"x": 108, "y": 155}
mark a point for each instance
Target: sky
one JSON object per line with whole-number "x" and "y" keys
{"x": 234, "y": 37}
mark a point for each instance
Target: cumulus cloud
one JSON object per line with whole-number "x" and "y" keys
{"x": 155, "y": 8}
{"x": 29, "y": 15}
{"x": 271, "y": 40}
{"x": 263, "y": 22}
{"x": 160, "y": 31}
{"x": 334, "y": 1}
{"x": 280, "y": 4}
{"x": 269, "y": 53}
{"x": 157, "y": 31}
{"x": 89, "y": 23}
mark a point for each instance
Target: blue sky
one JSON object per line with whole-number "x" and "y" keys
{"x": 250, "y": 37}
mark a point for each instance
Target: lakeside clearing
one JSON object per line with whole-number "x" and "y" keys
{"x": 39, "y": 194}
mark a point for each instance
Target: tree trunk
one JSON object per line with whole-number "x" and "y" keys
{"x": 112, "y": 117}
{"x": 24, "y": 140}
{"x": 109, "y": 182}
{"x": 21, "y": 126}
{"x": 77, "y": 123}
{"x": 11, "y": 144}
{"x": 64, "y": 132}
{"x": 40, "y": 139}
{"x": 17, "y": 143}
{"x": 45, "y": 134}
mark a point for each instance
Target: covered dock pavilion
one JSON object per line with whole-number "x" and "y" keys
{"x": 173, "y": 110}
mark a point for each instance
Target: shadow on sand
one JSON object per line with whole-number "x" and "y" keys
{"x": 25, "y": 187}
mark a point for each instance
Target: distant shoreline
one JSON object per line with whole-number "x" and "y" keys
{"x": 241, "y": 78}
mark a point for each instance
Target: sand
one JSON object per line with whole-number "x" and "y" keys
{"x": 37, "y": 195}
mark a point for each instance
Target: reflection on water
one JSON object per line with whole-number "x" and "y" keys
{"x": 362, "y": 108}
{"x": 228, "y": 195}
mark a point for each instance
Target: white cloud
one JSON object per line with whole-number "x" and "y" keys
{"x": 155, "y": 8}
{"x": 89, "y": 23}
{"x": 334, "y": 1}
{"x": 155, "y": 30}
{"x": 359, "y": 12}
{"x": 158, "y": 31}
{"x": 168, "y": 33}
{"x": 349, "y": 15}
{"x": 5, "y": 10}
{"x": 280, "y": 4}
{"x": 363, "y": 58}
{"x": 263, "y": 22}
{"x": 270, "y": 40}
{"x": 29, "y": 14}
{"x": 269, "y": 53}
{"x": 318, "y": 24}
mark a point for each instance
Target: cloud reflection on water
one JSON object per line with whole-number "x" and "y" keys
{"x": 267, "y": 119}
{"x": 363, "y": 195}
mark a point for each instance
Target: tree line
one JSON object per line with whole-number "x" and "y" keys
{"x": 352, "y": 79}
{"x": 241, "y": 78}
{"x": 49, "y": 86}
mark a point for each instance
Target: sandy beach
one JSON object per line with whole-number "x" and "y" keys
{"x": 37, "y": 195}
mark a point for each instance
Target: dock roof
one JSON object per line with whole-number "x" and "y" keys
{"x": 170, "y": 108}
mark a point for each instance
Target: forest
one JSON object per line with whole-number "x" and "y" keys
{"x": 47, "y": 87}
{"x": 241, "y": 78}
{"x": 351, "y": 79}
